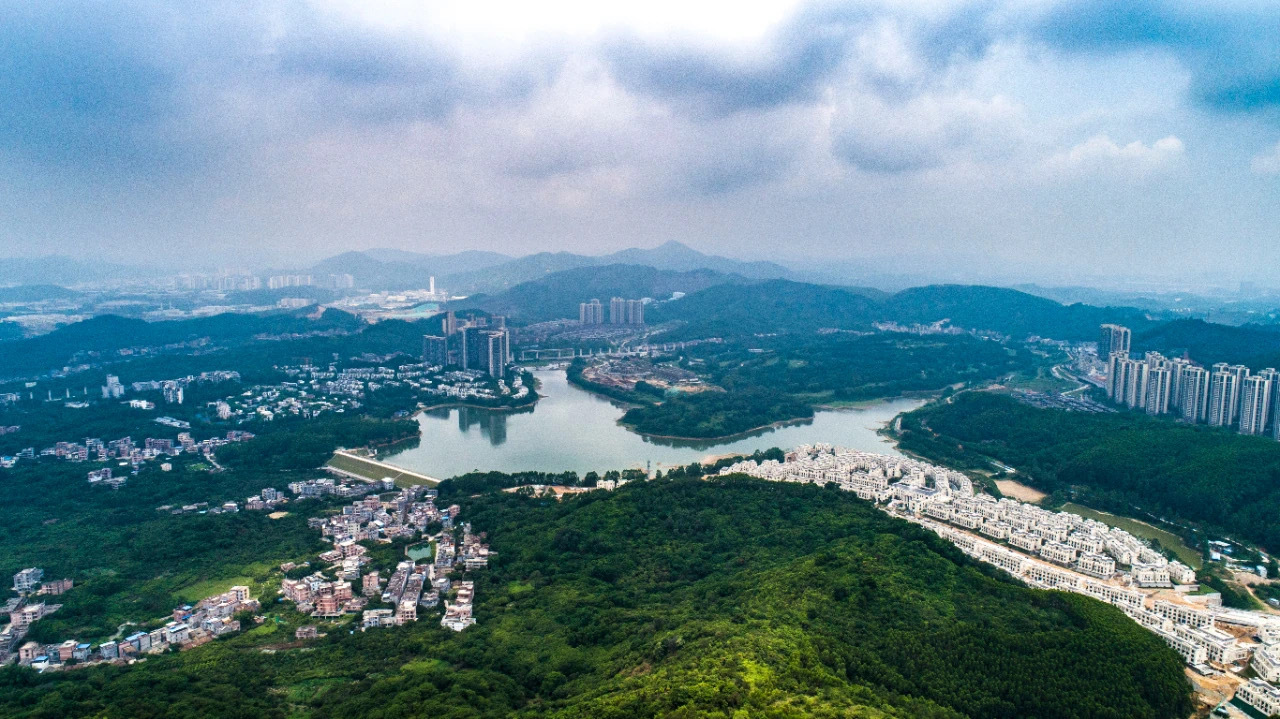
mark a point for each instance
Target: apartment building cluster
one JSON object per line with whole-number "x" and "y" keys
{"x": 326, "y": 598}
{"x": 868, "y": 475}
{"x": 187, "y": 626}
{"x": 28, "y": 607}
{"x": 1224, "y": 395}
{"x": 371, "y": 518}
{"x": 621, "y": 312}
{"x": 412, "y": 586}
{"x": 477, "y": 343}
{"x": 1051, "y": 550}
{"x": 368, "y": 519}
{"x": 127, "y": 452}
{"x": 311, "y": 391}
{"x": 172, "y": 390}
{"x": 315, "y": 488}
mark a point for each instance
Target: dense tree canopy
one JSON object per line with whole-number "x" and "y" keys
{"x": 729, "y": 597}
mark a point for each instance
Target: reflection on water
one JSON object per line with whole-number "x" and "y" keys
{"x": 492, "y": 425}
{"x": 570, "y": 429}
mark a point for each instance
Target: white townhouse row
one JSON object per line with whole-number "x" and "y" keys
{"x": 1087, "y": 553}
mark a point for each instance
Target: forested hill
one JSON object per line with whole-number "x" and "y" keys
{"x": 1007, "y": 311}
{"x": 109, "y": 333}
{"x": 781, "y": 306}
{"x": 557, "y": 295}
{"x": 1200, "y": 474}
{"x": 1207, "y": 343}
{"x": 765, "y": 307}
{"x": 729, "y": 597}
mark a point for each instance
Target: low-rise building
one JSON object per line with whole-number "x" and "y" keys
{"x": 1261, "y": 696}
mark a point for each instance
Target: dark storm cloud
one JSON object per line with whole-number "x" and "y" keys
{"x": 150, "y": 87}
{"x": 75, "y": 88}
{"x": 379, "y": 76}
{"x": 1231, "y": 49}
{"x": 792, "y": 66}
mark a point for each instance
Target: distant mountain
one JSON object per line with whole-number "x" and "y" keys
{"x": 107, "y": 333}
{"x": 678, "y": 256}
{"x": 783, "y": 306}
{"x": 441, "y": 265}
{"x": 522, "y": 269}
{"x": 474, "y": 272}
{"x": 62, "y": 271}
{"x": 36, "y": 293}
{"x": 558, "y": 294}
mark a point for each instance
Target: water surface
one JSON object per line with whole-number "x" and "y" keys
{"x": 572, "y": 429}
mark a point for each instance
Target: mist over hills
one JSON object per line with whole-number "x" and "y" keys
{"x": 474, "y": 272}
{"x": 63, "y": 271}
{"x": 557, "y": 295}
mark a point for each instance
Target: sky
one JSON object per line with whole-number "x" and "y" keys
{"x": 1036, "y": 138}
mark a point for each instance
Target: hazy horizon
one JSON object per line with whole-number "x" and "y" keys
{"x": 1057, "y": 141}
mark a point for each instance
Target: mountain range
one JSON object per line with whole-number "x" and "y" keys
{"x": 722, "y": 304}
{"x": 474, "y": 272}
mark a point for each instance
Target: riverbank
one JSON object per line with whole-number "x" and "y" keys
{"x": 490, "y": 408}
{"x": 744, "y": 434}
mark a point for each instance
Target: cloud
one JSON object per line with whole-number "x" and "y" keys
{"x": 316, "y": 122}
{"x": 1267, "y": 163}
{"x": 1230, "y": 47}
{"x": 1101, "y": 153}
{"x": 879, "y": 135}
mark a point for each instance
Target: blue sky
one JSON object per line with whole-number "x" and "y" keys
{"x": 1027, "y": 139}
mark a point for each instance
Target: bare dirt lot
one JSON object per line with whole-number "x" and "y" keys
{"x": 1019, "y": 491}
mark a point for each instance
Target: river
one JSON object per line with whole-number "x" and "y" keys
{"x": 572, "y": 429}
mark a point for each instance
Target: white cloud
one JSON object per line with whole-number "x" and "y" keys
{"x": 1268, "y": 163}
{"x": 1102, "y": 154}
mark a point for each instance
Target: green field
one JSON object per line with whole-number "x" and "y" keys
{"x": 373, "y": 470}
{"x": 1168, "y": 540}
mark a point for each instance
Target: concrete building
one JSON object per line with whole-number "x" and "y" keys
{"x": 626, "y": 312}
{"x": 1159, "y": 389}
{"x": 435, "y": 350}
{"x": 1260, "y": 695}
{"x": 1193, "y": 400}
{"x": 1255, "y": 404}
{"x": 1116, "y": 368}
{"x": 1266, "y": 662}
{"x": 1137, "y": 375}
{"x": 486, "y": 350}
{"x": 28, "y": 580}
{"x": 591, "y": 313}
{"x": 1114, "y": 338}
{"x": 1224, "y": 396}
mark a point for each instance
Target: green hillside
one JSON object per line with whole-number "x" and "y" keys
{"x": 1115, "y": 461}
{"x": 1208, "y": 343}
{"x": 724, "y": 598}
{"x": 766, "y": 307}
{"x": 784, "y": 306}
{"x": 89, "y": 340}
{"x": 557, "y": 295}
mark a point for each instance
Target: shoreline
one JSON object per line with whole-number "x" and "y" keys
{"x": 451, "y": 405}
{"x": 722, "y": 438}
